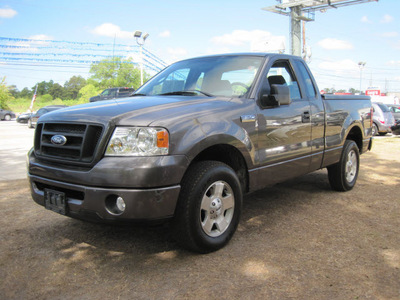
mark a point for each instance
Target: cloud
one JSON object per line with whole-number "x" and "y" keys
{"x": 7, "y": 13}
{"x": 177, "y": 51}
{"x": 387, "y": 19}
{"x": 390, "y": 34}
{"x": 175, "y": 54}
{"x": 239, "y": 37}
{"x": 165, "y": 34}
{"x": 394, "y": 63}
{"x": 31, "y": 45}
{"x": 335, "y": 44}
{"x": 40, "y": 37}
{"x": 112, "y": 30}
{"x": 365, "y": 19}
{"x": 256, "y": 40}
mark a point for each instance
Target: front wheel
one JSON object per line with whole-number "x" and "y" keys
{"x": 209, "y": 207}
{"x": 7, "y": 117}
{"x": 343, "y": 175}
{"x": 374, "y": 129}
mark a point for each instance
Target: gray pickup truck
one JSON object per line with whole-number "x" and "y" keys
{"x": 193, "y": 140}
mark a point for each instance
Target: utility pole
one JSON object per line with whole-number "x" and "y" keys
{"x": 295, "y": 29}
{"x": 296, "y": 10}
{"x": 361, "y": 65}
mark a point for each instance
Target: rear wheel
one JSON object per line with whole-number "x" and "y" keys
{"x": 7, "y": 117}
{"x": 343, "y": 175}
{"x": 209, "y": 207}
{"x": 30, "y": 125}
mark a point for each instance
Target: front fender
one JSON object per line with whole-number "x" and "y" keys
{"x": 207, "y": 134}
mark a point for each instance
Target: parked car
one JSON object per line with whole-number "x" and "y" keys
{"x": 44, "y": 110}
{"x": 6, "y": 114}
{"x": 396, "y": 128}
{"x": 395, "y": 109}
{"x": 383, "y": 119}
{"x": 24, "y": 117}
{"x": 113, "y": 93}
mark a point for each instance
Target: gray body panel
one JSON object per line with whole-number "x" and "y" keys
{"x": 276, "y": 143}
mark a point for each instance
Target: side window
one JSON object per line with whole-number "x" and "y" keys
{"x": 105, "y": 92}
{"x": 310, "y": 89}
{"x": 281, "y": 73}
{"x": 113, "y": 93}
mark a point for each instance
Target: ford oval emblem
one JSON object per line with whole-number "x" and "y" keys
{"x": 59, "y": 140}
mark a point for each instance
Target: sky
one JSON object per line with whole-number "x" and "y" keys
{"x": 70, "y": 33}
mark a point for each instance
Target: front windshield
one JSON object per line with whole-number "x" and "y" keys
{"x": 227, "y": 76}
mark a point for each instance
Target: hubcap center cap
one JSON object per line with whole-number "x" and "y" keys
{"x": 215, "y": 208}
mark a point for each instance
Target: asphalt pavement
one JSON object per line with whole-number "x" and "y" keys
{"x": 15, "y": 141}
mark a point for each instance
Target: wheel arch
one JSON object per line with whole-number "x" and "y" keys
{"x": 356, "y": 135}
{"x": 228, "y": 155}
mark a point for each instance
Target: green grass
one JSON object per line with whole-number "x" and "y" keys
{"x": 21, "y": 105}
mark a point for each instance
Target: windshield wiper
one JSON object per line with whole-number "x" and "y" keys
{"x": 187, "y": 93}
{"x": 134, "y": 95}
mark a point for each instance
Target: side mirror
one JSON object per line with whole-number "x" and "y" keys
{"x": 280, "y": 95}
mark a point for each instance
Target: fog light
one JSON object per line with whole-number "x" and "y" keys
{"x": 115, "y": 205}
{"x": 120, "y": 204}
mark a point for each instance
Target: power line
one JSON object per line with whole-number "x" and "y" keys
{"x": 70, "y": 52}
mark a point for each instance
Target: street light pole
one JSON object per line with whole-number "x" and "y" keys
{"x": 140, "y": 40}
{"x": 361, "y": 65}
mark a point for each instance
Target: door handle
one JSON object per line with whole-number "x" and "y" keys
{"x": 305, "y": 118}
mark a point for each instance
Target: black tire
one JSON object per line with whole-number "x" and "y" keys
{"x": 343, "y": 175}
{"x": 375, "y": 129}
{"x": 209, "y": 207}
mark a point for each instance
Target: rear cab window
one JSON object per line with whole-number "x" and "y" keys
{"x": 308, "y": 82}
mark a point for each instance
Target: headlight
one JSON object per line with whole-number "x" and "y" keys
{"x": 138, "y": 141}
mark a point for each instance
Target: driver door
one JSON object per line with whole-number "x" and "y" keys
{"x": 284, "y": 131}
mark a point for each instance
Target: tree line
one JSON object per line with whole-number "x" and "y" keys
{"x": 333, "y": 90}
{"x": 111, "y": 72}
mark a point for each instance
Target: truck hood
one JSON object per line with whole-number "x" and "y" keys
{"x": 133, "y": 111}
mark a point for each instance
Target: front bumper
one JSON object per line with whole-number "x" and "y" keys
{"x": 149, "y": 186}
{"x": 91, "y": 202}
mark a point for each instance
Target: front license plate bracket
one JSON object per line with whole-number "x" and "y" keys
{"x": 55, "y": 201}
